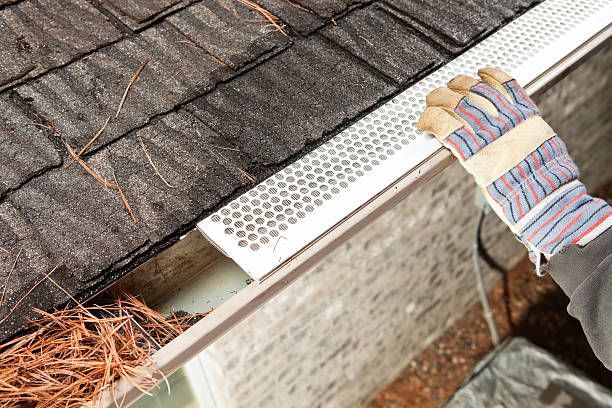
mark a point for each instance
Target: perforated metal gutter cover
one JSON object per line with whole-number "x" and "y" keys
{"x": 271, "y": 224}
{"x": 367, "y": 169}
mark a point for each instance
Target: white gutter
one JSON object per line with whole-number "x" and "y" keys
{"x": 564, "y": 40}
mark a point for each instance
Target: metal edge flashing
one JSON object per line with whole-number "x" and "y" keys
{"x": 576, "y": 28}
{"x": 270, "y": 224}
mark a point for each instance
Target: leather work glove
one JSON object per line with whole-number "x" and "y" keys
{"x": 522, "y": 166}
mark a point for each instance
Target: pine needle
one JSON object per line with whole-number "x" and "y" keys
{"x": 28, "y": 293}
{"x": 271, "y": 18}
{"x": 223, "y": 148}
{"x": 91, "y": 141}
{"x": 366, "y": 40}
{"x": 47, "y": 127}
{"x": 129, "y": 85}
{"x": 9, "y": 276}
{"x": 65, "y": 292}
{"x": 75, "y": 355}
{"x": 299, "y": 6}
{"x": 103, "y": 181}
{"x": 124, "y": 199}
{"x": 226, "y": 162}
{"x": 144, "y": 149}
{"x": 88, "y": 169}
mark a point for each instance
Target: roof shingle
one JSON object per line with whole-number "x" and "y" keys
{"x": 39, "y": 35}
{"x": 78, "y": 98}
{"x": 224, "y": 100}
{"x": 137, "y": 14}
{"x": 392, "y": 47}
{"x": 221, "y": 30}
{"x": 274, "y": 110}
{"x": 25, "y": 152}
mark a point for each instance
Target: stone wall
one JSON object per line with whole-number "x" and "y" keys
{"x": 350, "y": 325}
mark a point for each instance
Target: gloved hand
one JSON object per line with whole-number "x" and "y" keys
{"x": 523, "y": 167}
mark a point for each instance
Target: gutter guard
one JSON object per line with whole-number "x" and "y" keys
{"x": 550, "y": 39}
{"x": 269, "y": 226}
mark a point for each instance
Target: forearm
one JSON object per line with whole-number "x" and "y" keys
{"x": 584, "y": 274}
{"x": 531, "y": 182}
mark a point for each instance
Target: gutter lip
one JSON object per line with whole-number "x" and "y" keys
{"x": 567, "y": 55}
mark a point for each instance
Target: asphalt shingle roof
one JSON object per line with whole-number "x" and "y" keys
{"x": 223, "y": 102}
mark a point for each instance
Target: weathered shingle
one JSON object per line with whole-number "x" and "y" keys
{"x": 77, "y": 99}
{"x": 199, "y": 166}
{"x": 461, "y": 21}
{"x": 387, "y": 44}
{"x": 24, "y": 261}
{"x": 25, "y": 151}
{"x": 66, "y": 215}
{"x": 272, "y": 111}
{"x": 305, "y": 16}
{"x": 137, "y": 13}
{"x": 456, "y": 24}
{"x": 38, "y": 35}
{"x": 508, "y": 8}
{"x": 79, "y": 220}
{"x": 228, "y": 30}
{"x": 298, "y": 17}
{"x": 15, "y": 63}
{"x": 329, "y": 8}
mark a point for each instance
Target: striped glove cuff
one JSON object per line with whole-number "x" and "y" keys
{"x": 496, "y": 132}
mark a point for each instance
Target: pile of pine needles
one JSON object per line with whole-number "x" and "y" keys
{"x": 74, "y": 355}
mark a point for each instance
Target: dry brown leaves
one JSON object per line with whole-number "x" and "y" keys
{"x": 73, "y": 355}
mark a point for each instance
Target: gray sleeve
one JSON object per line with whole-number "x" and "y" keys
{"x": 585, "y": 275}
